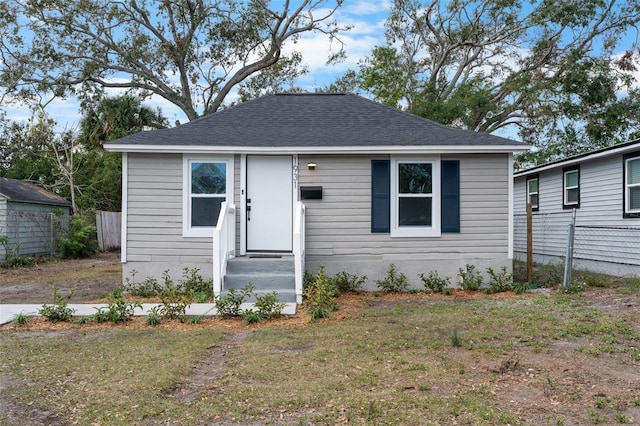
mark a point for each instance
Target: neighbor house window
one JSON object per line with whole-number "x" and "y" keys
{"x": 208, "y": 183}
{"x": 415, "y": 197}
{"x": 533, "y": 191}
{"x": 571, "y": 187}
{"x": 632, "y": 186}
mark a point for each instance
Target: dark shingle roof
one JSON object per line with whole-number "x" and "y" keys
{"x": 311, "y": 120}
{"x": 27, "y": 192}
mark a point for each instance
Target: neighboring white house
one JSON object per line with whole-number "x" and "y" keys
{"x": 603, "y": 187}
{"x": 31, "y": 218}
{"x": 337, "y": 180}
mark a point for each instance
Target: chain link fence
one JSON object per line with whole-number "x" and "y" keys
{"x": 31, "y": 233}
{"x": 611, "y": 250}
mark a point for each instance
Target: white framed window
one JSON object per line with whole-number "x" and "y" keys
{"x": 533, "y": 194}
{"x": 415, "y": 197}
{"x": 571, "y": 187}
{"x": 207, "y": 183}
{"x": 632, "y": 187}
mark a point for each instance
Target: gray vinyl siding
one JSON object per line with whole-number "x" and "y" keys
{"x": 599, "y": 214}
{"x": 32, "y": 228}
{"x": 155, "y": 240}
{"x": 340, "y": 223}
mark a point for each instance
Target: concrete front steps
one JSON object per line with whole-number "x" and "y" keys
{"x": 267, "y": 273}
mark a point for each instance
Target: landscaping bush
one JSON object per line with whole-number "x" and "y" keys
{"x": 393, "y": 282}
{"x": 79, "y": 243}
{"x": 470, "y": 279}
{"x": 320, "y": 295}
{"x": 435, "y": 282}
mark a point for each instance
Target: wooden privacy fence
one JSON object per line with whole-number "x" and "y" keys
{"x": 108, "y": 226}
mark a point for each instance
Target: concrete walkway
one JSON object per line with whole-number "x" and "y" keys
{"x": 9, "y": 312}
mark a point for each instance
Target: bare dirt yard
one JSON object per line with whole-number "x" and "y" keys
{"x": 83, "y": 279}
{"x": 557, "y": 359}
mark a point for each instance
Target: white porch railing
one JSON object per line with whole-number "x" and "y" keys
{"x": 224, "y": 244}
{"x": 299, "y": 248}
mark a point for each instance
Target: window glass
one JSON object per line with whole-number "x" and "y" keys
{"x": 208, "y": 192}
{"x": 571, "y": 188}
{"x": 634, "y": 198}
{"x": 205, "y": 211}
{"x": 414, "y": 178}
{"x": 633, "y": 171}
{"x": 532, "y": 192}
{"x": 208, "y": 178}
{"x": 414, "y": 194}
{"x": 571, "y": 179}
{"x": 633, "y": 184}
{"x": 414, "y": 211}
{"x": 415, "y": 206}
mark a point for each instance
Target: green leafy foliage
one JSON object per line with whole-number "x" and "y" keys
{"x": 393, "y": 282}
{"x": 154, "y": 316}
{"x": 190, "y": 53}
{"x": 470, "y": 279}
{"x": 58, "y": 311}
{"x": 118, "y": 309}
{"x": 228, "y": 305}
{"x": 147, "y": 288}
{"x": 346, "y": 282}
{"x": 320, "y": 295}
{"x": 269, "y": 305}
{"x": 80, "y": 242}
{"x": 21, "y": 318}
{"x": 499, "y": 281}
{"x": 552, "y": 72}
{"x": 434, "y": 282}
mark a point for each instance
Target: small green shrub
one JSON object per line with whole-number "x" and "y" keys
{"x": 228, "y": 305}
{"x": 174, "y": 301}
{"x": 78, "y": 244}
{"x": 59, "y": 311}
{"x": 499, "y": 281}
{"x": 249, "y": 316}
{"x": 269, "y": 305}
{"x": 519, "y": 288}
{"x": 393, "y": 282}
{"x": 21, "y": 318}
{"x": 307, "y": 279}
{"x": 469, "y": 278}
{"x": 193, "y": 282}
{"x": 118, "y": 309}
{"x": 321, "y": 295}
{"x": 345, "y": 282}
{"x": 154, "y": 316}
{"x": 434, "y": 282}
{"x": 147, "y": 288}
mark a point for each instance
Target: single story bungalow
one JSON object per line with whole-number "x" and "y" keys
{"x": 322, "y": 180}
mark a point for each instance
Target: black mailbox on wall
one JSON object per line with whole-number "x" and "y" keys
{"x": 311, "y": 193}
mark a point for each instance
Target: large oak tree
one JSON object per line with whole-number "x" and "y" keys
{"x": 190, "y": 52}
{"x": 550, "y": 69}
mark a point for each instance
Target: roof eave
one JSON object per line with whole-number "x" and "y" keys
{"x": 403, "y": 149}
{"x": 580, "y": 158}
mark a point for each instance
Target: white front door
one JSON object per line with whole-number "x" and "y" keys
{"x": 269, "y": 203}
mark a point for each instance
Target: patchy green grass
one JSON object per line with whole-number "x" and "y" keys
{"x": 390, "y": 363}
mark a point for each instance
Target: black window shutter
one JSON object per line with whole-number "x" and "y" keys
{"x": 380, "y": 196}
{"x": 450, "y": 213}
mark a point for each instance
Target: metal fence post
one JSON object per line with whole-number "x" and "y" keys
{"x": 568, "y": 266}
